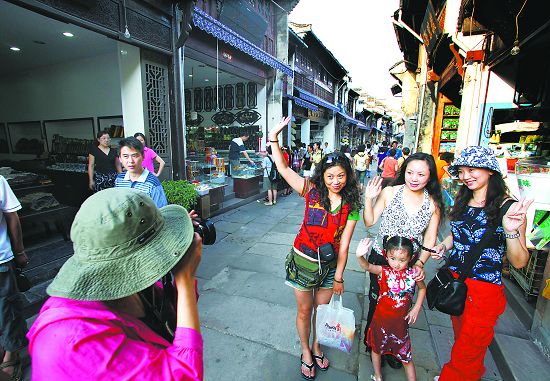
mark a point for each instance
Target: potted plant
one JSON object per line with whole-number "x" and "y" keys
{"x": 180, "y": 192}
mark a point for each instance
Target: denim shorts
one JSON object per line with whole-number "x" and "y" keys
{"x": 327, "y": 283}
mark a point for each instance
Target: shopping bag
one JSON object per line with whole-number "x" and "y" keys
{"x": 335, "y": 325}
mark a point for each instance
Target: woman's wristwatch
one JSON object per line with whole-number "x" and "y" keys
{"x": 513, "y": 235}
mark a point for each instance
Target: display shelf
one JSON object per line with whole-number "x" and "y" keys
{"x": 451, "y": 116}
{"x": 447, "y": 141}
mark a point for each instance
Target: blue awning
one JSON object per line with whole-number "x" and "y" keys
{"x": 314, "y": 99}
{"x": 362, "y": 125}
{"x": 204, "y": 21}
{"x": 348, "y": 119}
{"x": 302, "y": 103}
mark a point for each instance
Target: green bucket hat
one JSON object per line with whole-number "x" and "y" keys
{"x": 122, "y": 244}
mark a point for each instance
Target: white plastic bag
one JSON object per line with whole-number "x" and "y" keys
{"x": 335, "y": 325}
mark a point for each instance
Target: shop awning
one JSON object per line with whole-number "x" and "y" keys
{"x": 305, "y": 95}
{"x": 210, "y": 25}
{"x": 302, "y": 103}
{"x": 348, "y": 119}
{"x": 362, "y": 126}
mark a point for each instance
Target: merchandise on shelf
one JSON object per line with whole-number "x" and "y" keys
{"x": 533, "y": 177}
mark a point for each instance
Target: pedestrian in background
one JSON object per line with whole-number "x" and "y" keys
{"x": 316, "y": 157}
{"x": 401, "y": 160}
{"x": 286, "y": 188}
{"x": 13, "y": 327}
{"x": 411, "y": 207}
{"x": 389, "y": 168}
{"x": 326, "y": 150}
{"x": 149, "y": 155}
{"x": 106, "y": 318}
{"x": 389, "y": 332}
{"x": 307, "y": 162}
{"x": 332, "y": 210}
{"x": 267, "y": 164}
{"x": 361, "y": 164}
{"x": 381, "y": 154}
{"x": 103, "y": 164}
{"x": 482, "y": 203}
{"x": 398, "y": 151}
{"x": 137, "y": 177}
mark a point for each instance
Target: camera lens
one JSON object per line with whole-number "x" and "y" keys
{"x": 207, "y": 231}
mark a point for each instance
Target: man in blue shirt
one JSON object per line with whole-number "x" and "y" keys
{"x": 137, "y": 177}
{"x": 398, "y": 151}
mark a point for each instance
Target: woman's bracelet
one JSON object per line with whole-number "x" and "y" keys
{"x": 22, "y": 252}
{"x": 513, "y": 235}
{"x": 339, "y": 281}
{"x": 421, "y": 261}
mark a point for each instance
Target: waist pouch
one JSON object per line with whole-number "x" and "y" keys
{"x": 306, "y": 273}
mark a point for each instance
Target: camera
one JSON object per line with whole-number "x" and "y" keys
{"x": 207, "y": 231}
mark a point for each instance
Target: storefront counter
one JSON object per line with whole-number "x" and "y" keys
{"x": 246, "y": 186}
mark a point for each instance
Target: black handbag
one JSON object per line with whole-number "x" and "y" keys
{"x": 447, "y": 293}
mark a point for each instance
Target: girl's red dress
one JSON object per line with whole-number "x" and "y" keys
{"x": 389, "y": 331}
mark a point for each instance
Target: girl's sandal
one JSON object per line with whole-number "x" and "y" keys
{"x": 374, "y": 378}
{"x": 311, "y": 367}
{"x": 320, "y": 359}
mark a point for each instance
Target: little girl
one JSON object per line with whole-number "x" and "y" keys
{"x": 389, "y": 331}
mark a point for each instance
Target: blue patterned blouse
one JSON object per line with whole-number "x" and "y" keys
{"x": 468, "y": 232}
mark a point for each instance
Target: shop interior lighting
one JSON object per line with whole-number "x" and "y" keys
{"x": 15, "y": 49}
{"x": 206, "y": 80}
{"x": 126, "y": 31}
{"x": 515, "y": 49}
{"x": 68, "y": 34}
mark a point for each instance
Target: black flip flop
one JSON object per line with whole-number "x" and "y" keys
{"x": 309, "y": 366}
{"x": 322, "y": 359}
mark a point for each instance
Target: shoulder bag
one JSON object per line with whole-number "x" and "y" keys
{"x": 448, "y": 294}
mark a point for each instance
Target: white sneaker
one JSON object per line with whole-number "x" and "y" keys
{"x": 436, "y": 378}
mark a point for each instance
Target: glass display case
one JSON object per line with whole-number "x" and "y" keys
{"x": 247, "y": 171}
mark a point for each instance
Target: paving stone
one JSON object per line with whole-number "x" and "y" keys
{"x": 275, "y": 251}
{"x": 212, "y": 264}
{"x": 443, "y": 339}
{"x": 267, "y": 288}
{"x": 354, "y": 281}
{"x": 421, "y": 321}
{"x": 262, "y": 322}
{"x": 437, "y": 318}
{"x": 240, "y": 217}
{"x": 423, "y": 349}
{"x": 279, "y": 238}
{"x": 523, "y": 359}
{"x": 509, "y": 324}
{"x": 226, "y": 226}
{"x": 285, "y": 228}
{"x": 261, "y": 263}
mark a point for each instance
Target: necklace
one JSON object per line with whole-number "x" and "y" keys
{"x": 478, "y": 203}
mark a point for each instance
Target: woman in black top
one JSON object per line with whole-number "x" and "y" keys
{"x": 103, "y": 164}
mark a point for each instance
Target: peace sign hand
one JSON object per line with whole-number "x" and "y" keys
{"x": 373, "y": 188}
{"x": 515, "y": 217}
{"x": 274, "y": 132}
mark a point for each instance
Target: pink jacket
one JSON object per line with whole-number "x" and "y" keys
{"x": 86, "y": 340}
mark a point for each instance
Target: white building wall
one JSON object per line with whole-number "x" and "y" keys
{"x": 131, "y": 88}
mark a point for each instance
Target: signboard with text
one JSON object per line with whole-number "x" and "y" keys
{"x": 430, "y": 29}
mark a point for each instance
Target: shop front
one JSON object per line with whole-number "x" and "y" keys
{"x": 60, "y": 84}
{"x": 227, "y": 79}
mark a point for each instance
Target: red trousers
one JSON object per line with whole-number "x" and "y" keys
{"x": 473, "y": 331}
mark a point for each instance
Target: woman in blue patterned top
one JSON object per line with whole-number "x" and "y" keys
{"x": 477, "y": 207}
